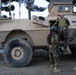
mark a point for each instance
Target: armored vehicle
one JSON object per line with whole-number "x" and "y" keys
{"x": 20, "y": 37}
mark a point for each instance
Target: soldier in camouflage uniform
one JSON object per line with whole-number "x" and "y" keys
{"x": 61, "y": 24}
{"x": 53, "y": 54}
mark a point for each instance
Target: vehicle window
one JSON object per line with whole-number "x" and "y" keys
{"x": 74, "y": 8}
{"x": 67, "y": 8}
{"x": 60, "y": 8}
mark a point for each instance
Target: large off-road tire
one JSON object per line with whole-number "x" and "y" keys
{"x": 17, "y": 53}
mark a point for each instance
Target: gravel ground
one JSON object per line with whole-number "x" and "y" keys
{"x": 40, "y": 66}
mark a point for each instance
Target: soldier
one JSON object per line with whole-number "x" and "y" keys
{"x": 53, "y": 54}
{"x": 62, "y": 25}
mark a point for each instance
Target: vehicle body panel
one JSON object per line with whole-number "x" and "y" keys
{"x": 38, "y": 33}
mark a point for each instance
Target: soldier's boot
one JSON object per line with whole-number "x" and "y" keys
{"x": 56, "y": 64}
{"x": 56, "y": 70}
{"x": 52, "y": 66}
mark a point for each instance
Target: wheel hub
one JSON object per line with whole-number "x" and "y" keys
{"x": 17, "y": 53}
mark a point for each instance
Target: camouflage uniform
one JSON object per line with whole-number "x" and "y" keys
{"x": 62, "y": 25}
{"x": 53, "y": 51}
{"x": 53, "y": 55}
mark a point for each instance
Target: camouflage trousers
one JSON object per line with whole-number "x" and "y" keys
{"x": 53, "y": 55}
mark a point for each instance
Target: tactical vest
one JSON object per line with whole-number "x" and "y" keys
{"x": 62, "y": 23}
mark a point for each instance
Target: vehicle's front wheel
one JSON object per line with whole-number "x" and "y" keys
{"x": 17, "y": 53}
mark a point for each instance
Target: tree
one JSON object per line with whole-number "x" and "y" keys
{"x": 30, "y": 7}
{"x": 48, "y": 0}
{"x": 6, "y": 8}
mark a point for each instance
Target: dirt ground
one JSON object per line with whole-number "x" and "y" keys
{"x": 40, "y": 66}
